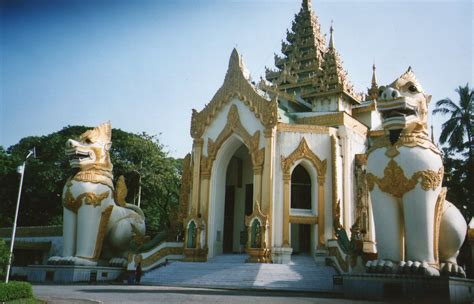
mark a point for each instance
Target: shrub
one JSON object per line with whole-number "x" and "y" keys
{"x": 15, "y": 290}
{"x": 4, "y": 254}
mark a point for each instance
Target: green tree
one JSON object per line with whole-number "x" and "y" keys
{"x": 458, "y": 154}
{"x": 460, "y": 122}
{"x": 133, "y": 155}
{"x": 4, "y": 254}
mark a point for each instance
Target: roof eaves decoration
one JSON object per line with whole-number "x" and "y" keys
{"x": 236, "y": 84}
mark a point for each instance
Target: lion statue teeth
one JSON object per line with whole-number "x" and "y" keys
{"x": 98, "y": 224}
{"x": 417, "y": 230}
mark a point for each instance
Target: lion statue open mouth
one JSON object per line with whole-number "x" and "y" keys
{"x": 98, "y": 223}
{"x": 417, "y": 230}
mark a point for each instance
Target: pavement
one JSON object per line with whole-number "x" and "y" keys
{"x": 85, "y": 294}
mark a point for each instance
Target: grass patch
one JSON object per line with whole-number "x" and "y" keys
{"x": 15, "y": 290}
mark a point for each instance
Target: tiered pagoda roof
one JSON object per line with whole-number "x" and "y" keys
{"x": 307, "y": 68}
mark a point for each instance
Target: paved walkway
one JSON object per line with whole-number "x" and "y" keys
{"x": 231, "y": 271}
{"x": 88, "y": 294}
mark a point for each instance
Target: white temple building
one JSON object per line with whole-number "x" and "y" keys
{"x": 275, "y": 166}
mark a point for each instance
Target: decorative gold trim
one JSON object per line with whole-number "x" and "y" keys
{"x": 395, "y": 183}
{"x": 334, "y": 120}
{"x": 376, "y": 133}
{"x": 301, "y": 219}
{"x": 121, "y": 192}
{"x": 185, "y": 189}
{"x": 284, "y": 127}
{"x": 407, "y": 140}
{"x": 89, "y": 198}
{"x": 438, "y": 215}
{"x": 104, "y": 220}
{"x": 365, "y": 108}
{"x": 303, "y": 152}
{"x": 235, "y": 85}
{"x": 335, "y": 197}
{"x": 233, "y": 126}
{"x": 95, "y": 176}
{"x": 163, "y": 252}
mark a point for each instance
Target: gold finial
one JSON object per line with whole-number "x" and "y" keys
{"x": 331, "y": 40}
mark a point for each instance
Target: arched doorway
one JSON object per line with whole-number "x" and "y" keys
{"x": 301, "y": 201}
{"x": 231, "y": 197}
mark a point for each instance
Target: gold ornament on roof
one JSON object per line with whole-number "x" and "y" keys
{"x": 236, "y": 85}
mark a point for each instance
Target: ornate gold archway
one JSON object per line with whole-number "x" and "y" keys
{"x": 287, "y": 164}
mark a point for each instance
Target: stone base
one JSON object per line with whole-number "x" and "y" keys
{"x": 408, "y": 288}
{"x": 72, "y": 274}
{"x": 281, "y": 255}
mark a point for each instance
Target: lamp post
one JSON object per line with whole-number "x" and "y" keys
{"x": 21, "y": 170}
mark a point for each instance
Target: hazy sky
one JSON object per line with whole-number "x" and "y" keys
{"x": 144, "y": 65}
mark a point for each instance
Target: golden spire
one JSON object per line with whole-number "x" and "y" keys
{"x": 307, "y": 5}
{"x": 372, "y": 92}
{"x": 331, "y": 39}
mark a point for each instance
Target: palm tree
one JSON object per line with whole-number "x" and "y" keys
{"x": 460, "y": 123}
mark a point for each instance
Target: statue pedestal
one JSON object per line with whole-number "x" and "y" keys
{"x": 402, "y": 288}
{"x": 72, "y": 273}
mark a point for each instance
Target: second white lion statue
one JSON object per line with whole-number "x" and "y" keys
{"x": 417, "y": 230}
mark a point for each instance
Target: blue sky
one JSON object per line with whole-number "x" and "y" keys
{"x": 144, "y": 65}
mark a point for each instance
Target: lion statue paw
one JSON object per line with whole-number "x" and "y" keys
{"x": 452, "y": 269}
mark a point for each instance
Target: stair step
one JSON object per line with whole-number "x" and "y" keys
{"x": 230, "y": 271}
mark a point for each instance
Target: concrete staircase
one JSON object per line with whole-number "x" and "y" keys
{"x": 231, "y": 271}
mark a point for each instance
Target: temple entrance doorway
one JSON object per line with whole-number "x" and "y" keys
{"x": 301, "y": 235}
{"x": 238, "y": 200}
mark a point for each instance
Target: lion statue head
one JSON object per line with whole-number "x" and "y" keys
{"x": 404, "y": 105}
{"x": 92, "y": 149}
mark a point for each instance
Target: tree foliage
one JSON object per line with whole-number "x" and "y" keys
{"x": 4, "y": 255}
{"x": 139, "y": 157}
{"x": 458, "y": 137}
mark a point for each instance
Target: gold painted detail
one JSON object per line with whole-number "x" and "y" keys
{"x": 301, "y": 219}
{"x": 235, "y": 85}
{"x": 333, "y": 120}
{"x": 284, "y": 127}
{"x": 406, "y": 140}
{"x": 160, "y": 254}
{"x": 104, "y": 220}
{"x": 95, "y": 176}
{"x": 233, "y": 126}
{"x": 185, "y": 190}
{"x": 121, "y": 192}
{"x": 303, "y": 151}
{"x": 438, "y": 215}
{"x": 335, "y": 198}
{"x": 395, "y": 183}
{"x": 89, "y": 198}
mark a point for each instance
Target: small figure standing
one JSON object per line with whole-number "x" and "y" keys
{"x": 138, "y": 273}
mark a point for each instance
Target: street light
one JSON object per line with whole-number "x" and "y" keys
{"x": 21, "y": 170}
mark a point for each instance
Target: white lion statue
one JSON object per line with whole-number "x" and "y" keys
{"x": 417, "y": 230}
{"x": 97, "y": 223}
